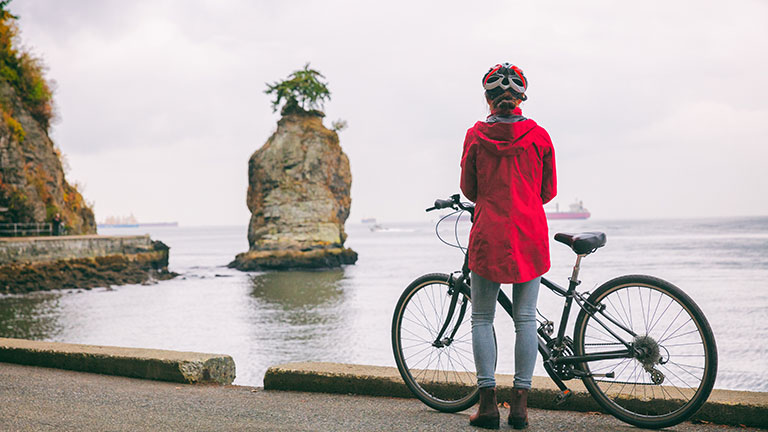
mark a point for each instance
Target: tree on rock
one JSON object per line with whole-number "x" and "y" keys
{"x": 303, "y": 92}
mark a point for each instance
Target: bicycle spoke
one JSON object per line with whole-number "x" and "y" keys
{"x": 443, "y": 311}
{"x": 419, "y": 323}
{"x": 671, "y": 301}
{"x": 687, "y": 365}
{"x": 417, "y": 353}
{"x": 656, "y": 309}
{"x": 684, "y": 344}
{"x": 409, "y": 347}
{"x": 648, "y": 312}
{"x": 612, "y": 366}
{"x": 414, "y": 334}
{"x": 422, "y": 371}
{"x": 618, "y": 315}
{"x": 431, "y": 298}
{"x": 670, "y": 324}
{"x": 466, "y": 355}
{"x": 420, "y": 308}
{"x": 676, "y": 386}
{"x": 626, "y": 315}
{"x": 665, "y": 392}
{"x": 629, "y": 306}
{"x": 617, "y": 375}
{"x": 632, "y": 374}
{"x": 407, "y": 339}
{"x": 680, "y": 335}
{"x": 686, "y": 370}
{"x": 461, "y": 362}
{"x": 456, "y": 375}
{"x": 642, "y": 308}
{"x": 604, "y": 333}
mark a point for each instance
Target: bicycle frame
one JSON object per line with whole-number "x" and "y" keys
{"x": 553, "y": 350}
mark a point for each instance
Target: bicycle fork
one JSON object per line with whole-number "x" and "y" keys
{"x": 455, "y": 291}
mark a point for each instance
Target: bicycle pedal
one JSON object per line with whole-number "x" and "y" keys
{"x": 562, "y": 397}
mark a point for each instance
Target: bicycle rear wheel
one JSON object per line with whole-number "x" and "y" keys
{"x": 673, "y": 375}
{"x": 442, "y": 375}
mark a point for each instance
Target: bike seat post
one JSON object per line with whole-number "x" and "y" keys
{"x": 576, "y": 267}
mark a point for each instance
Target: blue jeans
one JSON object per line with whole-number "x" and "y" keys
{"x": 524, "y": 296}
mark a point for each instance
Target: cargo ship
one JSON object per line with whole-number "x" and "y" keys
{"x": 131, "y": 222}
{"x": 575, "y": 211}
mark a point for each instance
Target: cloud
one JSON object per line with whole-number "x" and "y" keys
{"x": 612, "y": 83}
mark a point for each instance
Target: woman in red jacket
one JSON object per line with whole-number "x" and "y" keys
{"x": 508, "y": 170}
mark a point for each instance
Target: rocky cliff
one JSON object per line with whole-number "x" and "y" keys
{"x": 32, "y": 183}
{"x": 299, "y": 198}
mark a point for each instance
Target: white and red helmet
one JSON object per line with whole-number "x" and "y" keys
{"x": 505, "y": 77}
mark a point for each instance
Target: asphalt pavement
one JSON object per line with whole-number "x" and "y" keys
{"x": 41, "y": 399}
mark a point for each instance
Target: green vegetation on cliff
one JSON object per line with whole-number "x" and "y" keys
{"x": 32, "y": 183}
{"x": 23, "y": 71}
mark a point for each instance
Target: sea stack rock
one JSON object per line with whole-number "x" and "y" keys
{"x": 298, "y": 194}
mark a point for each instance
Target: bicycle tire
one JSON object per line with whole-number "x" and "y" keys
{"x": 680, "y": 364}
{"x": 441, "y": 377}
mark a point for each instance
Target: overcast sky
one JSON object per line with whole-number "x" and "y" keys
{"x": 656, "y": 108}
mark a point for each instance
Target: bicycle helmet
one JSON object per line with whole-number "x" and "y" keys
{"x": 504, "y": 77}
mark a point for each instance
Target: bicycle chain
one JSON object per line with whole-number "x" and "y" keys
{"x": 616, "y": 382}
{"x": 625, "y": 382}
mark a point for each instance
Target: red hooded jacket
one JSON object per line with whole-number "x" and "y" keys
{"x": 508, "y": 170}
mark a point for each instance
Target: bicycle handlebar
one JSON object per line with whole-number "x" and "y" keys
{"x": 453, "y": 202}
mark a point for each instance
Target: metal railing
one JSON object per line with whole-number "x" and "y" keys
{"x": 29, "y": 229}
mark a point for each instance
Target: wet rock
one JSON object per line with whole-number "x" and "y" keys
{"x": 43, "y": 265}
{"x": 299, "y": 198}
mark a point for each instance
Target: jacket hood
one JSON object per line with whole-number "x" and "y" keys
{"x": 505, "y": 139}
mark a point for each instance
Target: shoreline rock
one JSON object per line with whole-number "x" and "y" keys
{"x": 289, "y": 259}
{"x": 38, "y": 264}
{"x": 299, "y": 196}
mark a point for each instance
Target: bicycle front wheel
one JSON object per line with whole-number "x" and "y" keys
{"x": 441, "y": 373}
{"x": 674, "y": 368}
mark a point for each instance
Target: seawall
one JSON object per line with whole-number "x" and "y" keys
{"x": 152, "y": 364}
{"x": 723, "y": 406}
{"x": 46, "y": 263}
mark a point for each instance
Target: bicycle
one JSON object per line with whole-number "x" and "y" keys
{"x": 635, "y": 338}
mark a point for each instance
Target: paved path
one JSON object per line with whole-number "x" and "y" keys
{"x": 40, "y": 399}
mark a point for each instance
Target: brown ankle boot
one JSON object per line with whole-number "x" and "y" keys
{"x": 518, "y": 409}
{"x": 487, "y": 415}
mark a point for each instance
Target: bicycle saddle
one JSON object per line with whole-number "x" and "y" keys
{"x": 582, "y": 243}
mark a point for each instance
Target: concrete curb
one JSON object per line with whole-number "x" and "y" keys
{"x": 162, "y": 365}
{"x": 723, "y": 406}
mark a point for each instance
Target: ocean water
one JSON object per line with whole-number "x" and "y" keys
{"x": 344, "y": 315}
